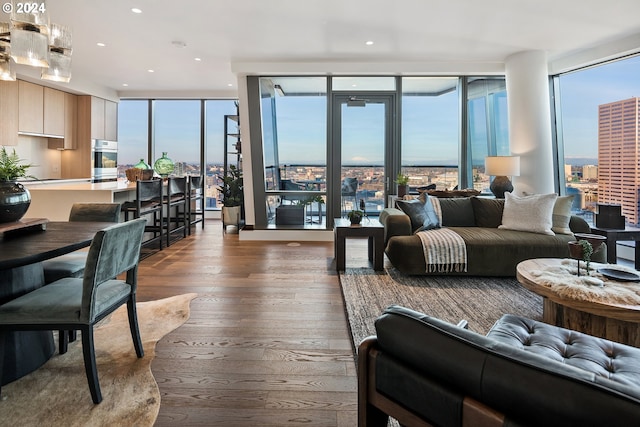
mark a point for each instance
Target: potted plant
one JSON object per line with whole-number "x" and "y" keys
{"x": 355, "y": 216}
{"x": 232, "y": 196}
{"x": 402, "y": 181}
{"x": 14, "y": 198}
{"x": 581, "y": 250}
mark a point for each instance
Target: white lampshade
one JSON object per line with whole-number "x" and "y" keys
{"x": 502, "y": 165}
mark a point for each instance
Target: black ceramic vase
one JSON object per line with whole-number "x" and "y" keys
{"x": 14, "y": 201}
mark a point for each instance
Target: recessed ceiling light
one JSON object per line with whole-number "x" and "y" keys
{"x": 230, "y": 84}
{"x": 136, "y": 10}
{"x": 101, "y": 44}
{"x": 151, "y": 71}
{"x": 197, "y": 59}
{"x": 369, "y": 43}
{"x": 125, "y": 84}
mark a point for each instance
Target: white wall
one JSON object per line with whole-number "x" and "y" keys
{"x": 32, "y": 149}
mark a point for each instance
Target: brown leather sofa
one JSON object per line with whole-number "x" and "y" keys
{"x": 426, "y": 372}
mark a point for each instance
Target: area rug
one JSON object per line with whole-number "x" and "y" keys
{"x": 57, "y": 394}
{"x": 479, "y": 300}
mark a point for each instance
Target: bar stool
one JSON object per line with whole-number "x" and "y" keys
{"x": 196, "y": 200}
{"x": 148, "y": 202}
{"x": 177, "y": 206}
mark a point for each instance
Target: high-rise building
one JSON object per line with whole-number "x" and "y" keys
{"x": 618, "y": 156}
{"x": 590, "y": 172}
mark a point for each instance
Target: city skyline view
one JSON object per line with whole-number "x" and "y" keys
{"x": 429, "y": 132}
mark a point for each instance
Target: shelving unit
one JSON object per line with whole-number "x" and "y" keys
{"x": 232, "y": 142}
{"x": 232, "y": 149}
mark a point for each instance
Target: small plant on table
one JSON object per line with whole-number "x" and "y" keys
{"x": 355, "y": 216}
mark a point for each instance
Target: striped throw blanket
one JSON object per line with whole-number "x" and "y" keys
{"x": 444, "y": 251}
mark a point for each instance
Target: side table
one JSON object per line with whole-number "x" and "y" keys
{"x": 613, "y": 236}
{"x": 370, "y": 228}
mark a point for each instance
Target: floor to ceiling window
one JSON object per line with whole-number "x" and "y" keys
{"x": 133, "y": 134}
{"x": 379, "y": 126}
{"x": 176, "y": 130}
{"x": 430, "y": 132}
{"x": 215, "y": 112}
{"x": 487, "y": 128}
{"x": 294, "y": 124}
{"x": 598, "y": 133}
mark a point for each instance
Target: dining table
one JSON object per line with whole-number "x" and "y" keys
{"x": 22, "y": 250}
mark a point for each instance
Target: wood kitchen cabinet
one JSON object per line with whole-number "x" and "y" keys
{"x": 8, "y": 113}
{"x": 110, "y": 120}
{"x": 30, "y": 108}
{"x": 54, "y": 113}
{"x": 97, "y": 118}
{"x": 70, "y": 140}
{"x": 101, "y": 117}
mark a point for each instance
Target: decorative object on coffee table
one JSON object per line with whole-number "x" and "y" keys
{"x": 581, "y": 250}
{"x": 593, "y": 244}
{"x": 501, "y": 167}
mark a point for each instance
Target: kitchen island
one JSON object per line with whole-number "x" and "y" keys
{"x": 53, "y": 199}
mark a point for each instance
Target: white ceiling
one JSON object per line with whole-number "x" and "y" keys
{"x": 307, "y": 36}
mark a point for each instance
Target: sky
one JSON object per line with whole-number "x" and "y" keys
{"x": 580, "y": 94}
{"x": 429, "y": 129}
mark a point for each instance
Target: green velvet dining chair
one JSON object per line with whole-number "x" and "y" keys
{"x": 72, "y": 265}
{"x": 79, "y": 303}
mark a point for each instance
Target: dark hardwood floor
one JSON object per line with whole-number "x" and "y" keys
{"x": 267, "y": 343}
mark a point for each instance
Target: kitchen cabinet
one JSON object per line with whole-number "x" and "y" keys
{"x": 70, "y": 140}
{"x": 30, "y": 108}
{"x": 102, "y": 115}
{"x": 97, "y": 118}
{"x": 54, "y": 113}
{"x": 8, "y": 113}
{"x": 110, "y": 120}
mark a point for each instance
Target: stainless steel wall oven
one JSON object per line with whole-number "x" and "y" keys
{"x": 104, "y": 160}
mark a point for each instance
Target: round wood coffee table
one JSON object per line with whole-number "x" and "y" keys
{"x": 614, "y": 322}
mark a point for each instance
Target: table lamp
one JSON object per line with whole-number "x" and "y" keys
{"x": 501, "y": 167}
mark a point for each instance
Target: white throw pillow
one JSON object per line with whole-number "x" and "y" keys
{"x": 529, "y": 213}
{"x": 562, "y": 215}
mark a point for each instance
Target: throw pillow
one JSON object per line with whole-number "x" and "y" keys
{"x": 421, "y": 214}
{"x": 487, "y": 212}
{"x": 562, "y": 215}
{"x": 529, "y": 213}
{"x": 431, "y": 219}
{"x": 457, "y": 212}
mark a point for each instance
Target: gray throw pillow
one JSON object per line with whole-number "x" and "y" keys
{"x": 422, "y": 215}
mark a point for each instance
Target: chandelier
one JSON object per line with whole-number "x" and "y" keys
{"x": 29, "y": 39}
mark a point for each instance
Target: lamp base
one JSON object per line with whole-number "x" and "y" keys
{"x": 500, "y": 185}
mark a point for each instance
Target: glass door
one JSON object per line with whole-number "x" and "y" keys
{"x": 361, "y": 161}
